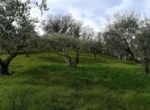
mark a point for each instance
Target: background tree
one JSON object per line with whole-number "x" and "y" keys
{"x": 63, "y": 24}
{"x": 64, "y": 45}
{"x": 87, "y": 33}
{"x": 93, "y": 46}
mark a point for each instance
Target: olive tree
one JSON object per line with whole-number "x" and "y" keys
{"x": 130, "y": 34}
{"x": 93, "y": 46}
{"x": 65, "y": 46}
{"x": 15, "y": 27}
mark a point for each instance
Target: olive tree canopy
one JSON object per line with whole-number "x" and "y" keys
{"x": 16, "y": 27}
{"x": 130, "y": 34}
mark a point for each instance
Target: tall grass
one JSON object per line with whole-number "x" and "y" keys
{"x": 45, "y": 82}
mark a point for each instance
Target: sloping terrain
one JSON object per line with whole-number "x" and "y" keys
{"x": 44, "y": 82}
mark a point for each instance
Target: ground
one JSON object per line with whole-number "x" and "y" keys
{"x": 44, "y": 82}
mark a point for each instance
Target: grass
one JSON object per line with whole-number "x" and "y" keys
{"x": 44, "y": 82}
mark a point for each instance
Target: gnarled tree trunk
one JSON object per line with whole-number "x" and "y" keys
{"x": 146, "y": 69}
{"x": 4, "y": 68}
{"x": 146, "y": 66}
{"x": 72, "y": 62}
{"x": 76, "y": 60}
{"x": 69, "y": 60}
{"x": 5, "y": 64}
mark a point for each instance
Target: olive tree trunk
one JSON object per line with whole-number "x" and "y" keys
{"x": 72, "y": 62}
{"x": 69, "y": 60}
{"x": 144, "y": 64}
{"x": 4, "y": 68}
{"x": 4, "y": 64}
{"x": 146, "y": 69}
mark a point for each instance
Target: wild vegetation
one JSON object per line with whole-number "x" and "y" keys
{"x": 103, "y": 69}
{"x": 43, "y": 81}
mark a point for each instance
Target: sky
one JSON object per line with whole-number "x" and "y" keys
{"x": 93, "y": 13}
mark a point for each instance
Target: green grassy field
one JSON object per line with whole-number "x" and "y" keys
{"x": 44, "y": 82}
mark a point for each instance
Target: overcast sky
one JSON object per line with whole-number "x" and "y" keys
{"x": 94, "y": 12}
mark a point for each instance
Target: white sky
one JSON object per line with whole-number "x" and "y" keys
{"x": 93, "y": 12}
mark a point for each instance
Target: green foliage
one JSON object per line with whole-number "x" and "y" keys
{"x": 62, "y": 45}
{"x": 128, "y": 36}
{"x": 16, "y": 28}
{"x": 62, "y": 41}
{"x": 46, "y": 83}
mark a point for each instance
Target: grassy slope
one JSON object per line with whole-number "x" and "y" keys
{"x": 44, "y": 82}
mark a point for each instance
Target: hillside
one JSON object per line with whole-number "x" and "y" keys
{"x": 44, "y": 82}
